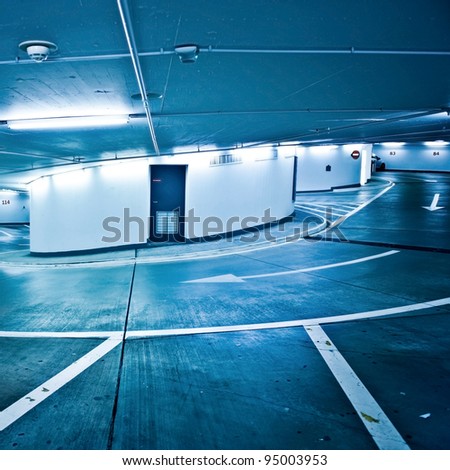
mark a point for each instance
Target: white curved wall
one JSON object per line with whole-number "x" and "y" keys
{"x": 312, "y": 174}
{"x": 68, "y": 209}
{"x": 231, "y": 197}
{"x": 76, "y": 210}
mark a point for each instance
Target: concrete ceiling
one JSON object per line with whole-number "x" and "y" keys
{"x": 267, "y": 71}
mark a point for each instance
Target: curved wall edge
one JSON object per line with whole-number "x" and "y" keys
{"x": 108, "y": 206}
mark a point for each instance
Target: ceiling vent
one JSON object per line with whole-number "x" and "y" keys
{"x": 38, "y": 50}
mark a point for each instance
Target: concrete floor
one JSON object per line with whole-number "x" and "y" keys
{"x": 271, "y": 348}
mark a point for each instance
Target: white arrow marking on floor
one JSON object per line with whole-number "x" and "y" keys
{"x": 434, "y": 204}
{"x": 233, "y": 278}
{"x": 221, "y": 278}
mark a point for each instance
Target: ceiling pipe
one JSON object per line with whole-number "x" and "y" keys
{"x": 128, "y": 28}
{"x": 350, "y": 50}
{"x": 160, "y": 52}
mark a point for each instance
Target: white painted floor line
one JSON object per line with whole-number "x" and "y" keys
{"x": 233, "y": 278}
{"x": 197, "y": 256}
{"x": 348, "y": 206}
{"x": 339, "y": 211}
{"x": 375, "y": 420}
{"x": 60, "y": 334}
{"x": 232, "y": 328}
{"x": 420, "y": 180}
{"x": 326, "y": 266}
{"x": 313, "y": 205}
{"x": 362, "y": 206}
{"x": 257, "y": 246}
{"x": 330, "y": 210}
{"x": 333, "y": 206}
{"x": 39, "y": 394}
{"x": 79, "y": 265}
{"x": 289, "y": 323}
{"x": 7, "y": 234}
{"x": 13, "y": 251}
{"x": 310, "y": 208}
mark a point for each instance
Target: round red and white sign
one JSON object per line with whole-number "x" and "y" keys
{"x": 355, "y": 154}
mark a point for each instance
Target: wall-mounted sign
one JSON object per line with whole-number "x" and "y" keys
{"x": 355, "y": 154}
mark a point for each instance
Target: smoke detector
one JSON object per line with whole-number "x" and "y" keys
{"x": 187, "y": 53}
{"x": 38, "y": 50}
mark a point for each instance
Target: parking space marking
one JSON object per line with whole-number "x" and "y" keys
{"x": 373, "y": 417}
{"x": 25, "y": 404}
{"x": 289, "y": 323}
{"x": 369, "y": 413}
{"x": 386, "y": 312}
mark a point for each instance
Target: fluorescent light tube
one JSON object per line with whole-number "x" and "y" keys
{"x": 68, "y": 122}
{"x": 436, "y": 143}
{"x": 393, "y": 144}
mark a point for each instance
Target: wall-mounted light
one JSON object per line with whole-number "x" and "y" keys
{"x": 187, "y": 53}
{"x": 67, "y": 122}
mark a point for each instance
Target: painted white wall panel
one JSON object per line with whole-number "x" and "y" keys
{"x": 343, "y": 171}
{"x": 68, "y": 210}
{"x": 414, "y": 157}
{"x": 238, "y": 195}
{"x": 14, "y": 207}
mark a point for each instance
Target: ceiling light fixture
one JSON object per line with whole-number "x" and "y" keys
{"x": 436, "y": 143}
{"x": 38, "y": 50}
{"x": 187, "y": 53}
{"x": 67, "y": 122}
{"x": 393, "y": 144}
